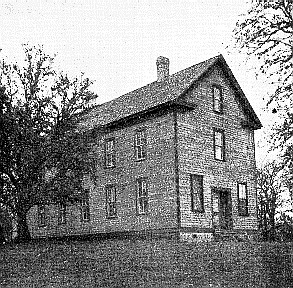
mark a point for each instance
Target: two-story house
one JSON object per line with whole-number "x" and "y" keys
{"x": 173, "y": 158}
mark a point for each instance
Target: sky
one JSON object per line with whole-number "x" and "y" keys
{"x": 116, "y": 43}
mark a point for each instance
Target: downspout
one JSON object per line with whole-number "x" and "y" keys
{"x": 176, "y": 158}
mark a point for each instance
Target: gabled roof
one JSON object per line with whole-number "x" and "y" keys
{"x": 158, "y": 93}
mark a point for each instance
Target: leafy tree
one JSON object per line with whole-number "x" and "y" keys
{"x": 43, "y": 153}
{"x": 270, "y": 187}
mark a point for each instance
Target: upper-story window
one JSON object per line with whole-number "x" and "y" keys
{"x": 140, "y": 145}
{"x": 218, "y": 99}
{"x": 109, "y": 153}
{"x": 242, "y": 199}
{"x": 219, "y": 144}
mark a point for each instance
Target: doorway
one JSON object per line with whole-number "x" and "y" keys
{"x": 222, "y": 209}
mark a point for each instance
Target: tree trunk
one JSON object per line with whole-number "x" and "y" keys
{"x": 23, "y": 234}
{"x": 265, "y": 225}
{"x": 272, "y": 228}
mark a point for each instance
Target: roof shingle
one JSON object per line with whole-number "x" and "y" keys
{"x": 150, "y": 96}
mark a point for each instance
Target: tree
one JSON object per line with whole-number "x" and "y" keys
{"x": 284, "y": 228}
{"x": 5, "y": 225}
{"x": 43, "y": 153}
{"x": 265, "y": 33}
{"x": 270, "y": 187}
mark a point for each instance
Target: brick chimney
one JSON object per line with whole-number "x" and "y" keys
{"x": 162, "y": 68}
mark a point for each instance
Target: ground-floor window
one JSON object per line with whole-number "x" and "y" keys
{"x": 41, "y": 215}
{"x": 242, "y": 199}
{"x": 85, "y": 207}
{"x": 62, "y": 213}
{"x": 196, "y": 190}
{"x": 111, "y": 201}
{"x": 141, "y": 196}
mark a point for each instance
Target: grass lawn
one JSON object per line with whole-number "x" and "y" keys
{"x": 142, "y": 263}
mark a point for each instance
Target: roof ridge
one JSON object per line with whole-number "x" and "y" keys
{"x": 155, "y": 94}
{"x": 207, "y": 60}
{"x": 164, "y": 81}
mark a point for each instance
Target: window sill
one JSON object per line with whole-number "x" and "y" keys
{"x": 218, "y": 112}
{"x": 141, "y": 214}
{"x": 109, "y": 167}
{"x": 244, "y": 215}
{"x": 140, "y": 160}
{"x": 220, "y": 160}
{"x": 198, "y": 211}
{"x": 85, "y": 220}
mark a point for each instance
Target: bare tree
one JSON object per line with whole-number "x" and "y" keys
{"x": 270, "y": 187}
{"x": 265, "y": 33}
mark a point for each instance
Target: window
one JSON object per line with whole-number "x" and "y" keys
{"x": 218, "y": 99}
{"x": 62, "y": 213}
{"x": 111, "y": 201}
{"x": 219, "y": 144}
{"x": 109, "y": 153}
{"x": 85, "y": 207}
{"x": 242, "y": 199}
{"x": 141, "y": 196}
{"x": 140, "y": 145}
{"x": 41, "y": 215}
{"x": 196, "y": 189}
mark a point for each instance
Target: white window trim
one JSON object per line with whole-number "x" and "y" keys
{"x": 62, "y": 214}
{"x": 217, "y": 101}
{"x": 109, "y": 153}
{"x": 221, "y": 146}
{"x": 142, "y": 196}
{"x": 110, "y": 192}
{"x": 140, "y": 145}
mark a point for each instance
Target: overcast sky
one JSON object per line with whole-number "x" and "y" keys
{"x": 116, "y": 43}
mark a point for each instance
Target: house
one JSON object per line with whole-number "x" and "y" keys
{"x": 174, "y": 158}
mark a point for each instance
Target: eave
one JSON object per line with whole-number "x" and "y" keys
{"x": 250, "y": 125}
{"x": 142, "y": 115}
{"x": 253, "y": 121}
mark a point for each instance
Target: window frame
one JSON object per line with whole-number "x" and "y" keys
{"x": 222, "y": 147}
{"x": 192, "y": 193}
{"x": 220, "y": 110}
{"x": 142, "y": 145}
{"x": 241, "y": 211}
{"x": 111, "y": 187}
{"x": 41, "y": 215}
{"x": 109, "y": 154}
{"x": 62, "y": 213}
{"x": 85, "y": 207}
{"x": 139, "y": 196}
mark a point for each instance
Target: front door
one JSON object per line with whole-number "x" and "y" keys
{"x": 222, "y": 209}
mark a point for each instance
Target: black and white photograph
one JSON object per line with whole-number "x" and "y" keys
{"x": 146, "y": 143}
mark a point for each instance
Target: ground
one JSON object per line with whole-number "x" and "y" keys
{"x": 142, "y": 263}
